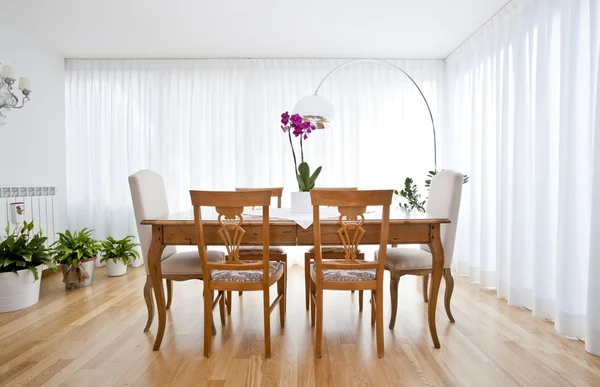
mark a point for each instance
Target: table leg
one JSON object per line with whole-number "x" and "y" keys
{"x": 437, "y": 254}
{"x": 154, "y": 255}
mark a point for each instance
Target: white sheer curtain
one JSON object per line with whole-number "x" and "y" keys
{"x": 522, "y": 103}
{"x": 214, "y": 124}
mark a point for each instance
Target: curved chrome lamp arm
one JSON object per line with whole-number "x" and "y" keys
{"x": 409, "y": 77}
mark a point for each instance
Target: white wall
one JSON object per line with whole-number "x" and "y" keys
{"x": 32, "y": 143}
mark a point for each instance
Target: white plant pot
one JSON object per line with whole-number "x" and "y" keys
{"x": 19, "y": 291}
{"x": 137, "y": 263}
{"x": 301, "y": 203}
{"x": 115, "y": 269}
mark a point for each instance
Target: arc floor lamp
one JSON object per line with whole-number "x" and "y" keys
{"x": 318, "y": 110}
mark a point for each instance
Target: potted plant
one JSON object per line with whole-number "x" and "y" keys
{"x": 76, "y": 253}
{"x": 411, "y": 198}
{"x": 22, "y": 254}
{"x": 300, "y": 129}
{"x": 118, "y": 254}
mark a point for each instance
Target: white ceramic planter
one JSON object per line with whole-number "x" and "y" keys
{"x": 89, "y": 265}
{"x": 115, "y": 269}
{"x": 19, "y": 291}
{"x": 301, "y": 203}
{"x": 137, "y": 263}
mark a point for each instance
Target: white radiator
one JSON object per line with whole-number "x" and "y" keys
{"x": 31, "y": 204}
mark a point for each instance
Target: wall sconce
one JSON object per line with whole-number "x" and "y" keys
{"x": 8, "y": 100}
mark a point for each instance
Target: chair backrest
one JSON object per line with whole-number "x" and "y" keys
{"x": 229, "y": 207}
{"x": 275, "y": 192}
{"x": 444, "y": 201}
{"x": 352, "y": 205}
{"x": 149, "y": 202}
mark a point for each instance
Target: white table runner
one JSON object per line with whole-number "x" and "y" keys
{"x": 302, "y": 220}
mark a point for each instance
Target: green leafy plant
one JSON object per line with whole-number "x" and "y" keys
{"x": 123, "y": 250}
{"x": 22, "y": 249}
{"x": 411, "y": 196}
{"x": 72, "y": 247}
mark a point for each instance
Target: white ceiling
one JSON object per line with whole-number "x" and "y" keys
{"x": 249, "y": 28}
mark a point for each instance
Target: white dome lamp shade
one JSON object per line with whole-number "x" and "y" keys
{"x": 316, "y": 109}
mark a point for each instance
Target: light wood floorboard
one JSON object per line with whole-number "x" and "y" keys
{"x": 93, "y": 337}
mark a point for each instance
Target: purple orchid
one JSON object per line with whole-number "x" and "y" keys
{"x": 295, "y": 125}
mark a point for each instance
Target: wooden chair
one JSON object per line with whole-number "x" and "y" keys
{"x": 444, "y": 201}
{"x": 350, "y": 273}
{"x": 276, "y": 253}
{"x": 150, "y": 202}
{"x": 235, "y": 274}
{"x": 328, "y": 252}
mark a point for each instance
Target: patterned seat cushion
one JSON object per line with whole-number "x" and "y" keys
{"x": 257, "y": 250}
{"x": 330, "y": 249}
{"x": 346, "y": 275}
{"x": 245, "y": 275}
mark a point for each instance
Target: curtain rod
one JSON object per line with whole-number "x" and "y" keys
{"x": 477, "y": 30}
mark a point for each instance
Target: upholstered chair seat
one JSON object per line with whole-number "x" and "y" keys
{"x": 405, "y": 258}
{"x": 246, "y": 275}
{"x": 188, "y": 262}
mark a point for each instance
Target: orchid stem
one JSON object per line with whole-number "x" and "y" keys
{"x": 301, "y": 150}
{"x": 295, "y": 162}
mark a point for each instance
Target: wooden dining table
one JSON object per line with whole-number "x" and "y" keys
{"x": 405, "y": 228}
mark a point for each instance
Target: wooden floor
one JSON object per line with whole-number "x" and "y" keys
{"x": 93, "y": 337}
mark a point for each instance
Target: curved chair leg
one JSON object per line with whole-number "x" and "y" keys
{"x": 360, "y": 300}
{"x": 425, "y": 287}
{"x": 169, "y": 293}
{"x": 448, "y": 293}
{"x": 149, "y": 302}
{"x": 394, "y": 281}
{"x": 307, "y": 280}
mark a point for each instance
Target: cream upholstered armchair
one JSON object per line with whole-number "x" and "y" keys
{"x": 444, "y": 201}
{"x": 150, "y": 202}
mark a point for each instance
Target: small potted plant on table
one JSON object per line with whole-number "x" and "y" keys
{"x": 118, "y": 254}
{"x": 22, "y": 254}
{"x": 76, "y": 253}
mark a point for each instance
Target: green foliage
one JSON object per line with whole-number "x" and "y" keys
{"x": 411, "y": 195}
{"x": 306, "y": 181}
{"x": 72, "y": 247}
{"x": 22, "y": 249}
{"x": 119, "y": 250}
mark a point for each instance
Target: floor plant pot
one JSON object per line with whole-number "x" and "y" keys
{"x": 115, "y": 269}
{"x": 137, "y": 262}
{"x": 19, "y": 291}
{"x": 301, "y": 203}
{"x": 88, "y": 265}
